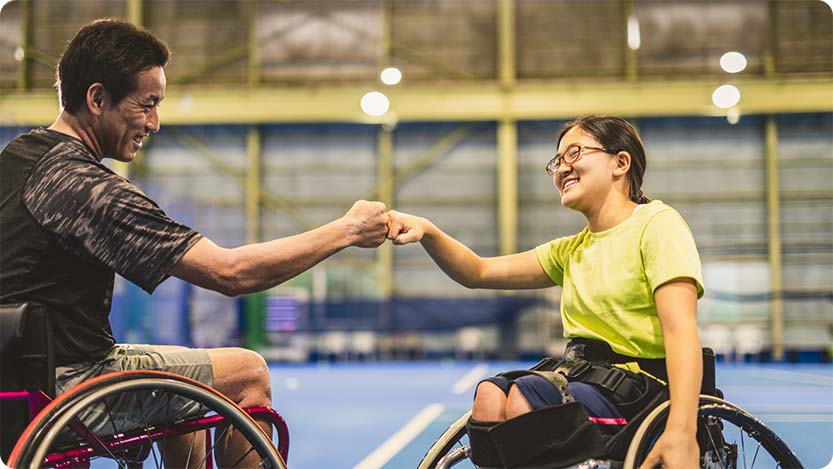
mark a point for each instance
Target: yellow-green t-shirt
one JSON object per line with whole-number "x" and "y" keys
{"x": 609, "y": 278}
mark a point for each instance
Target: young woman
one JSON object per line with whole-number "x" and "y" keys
{"x": 631, "y": 279}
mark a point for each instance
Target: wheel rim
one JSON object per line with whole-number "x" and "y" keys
{"x": 54, "y": 426}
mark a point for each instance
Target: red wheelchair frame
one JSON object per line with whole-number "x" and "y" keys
{"x": 139, "y": 442}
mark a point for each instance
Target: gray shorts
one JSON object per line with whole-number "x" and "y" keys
{"x": 128, "y": 411}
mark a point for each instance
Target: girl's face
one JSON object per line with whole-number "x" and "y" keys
{"x": 586, "y": 181}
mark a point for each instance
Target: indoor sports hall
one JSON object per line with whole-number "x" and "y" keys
{"x": 285, "y": 128}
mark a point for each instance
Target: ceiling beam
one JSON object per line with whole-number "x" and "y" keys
{"x": 453, "y": 101}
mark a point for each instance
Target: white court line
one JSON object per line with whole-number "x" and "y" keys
{"x": 470, "y": 379}
{"x": 398, "y": 440}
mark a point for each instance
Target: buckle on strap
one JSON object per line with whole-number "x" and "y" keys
{"x": 574, "y": 369}
{"x": 613, "y": 379}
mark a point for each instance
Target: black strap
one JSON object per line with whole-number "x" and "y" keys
{"x": 623, "y": 386}
{"x": 600, "y": 353}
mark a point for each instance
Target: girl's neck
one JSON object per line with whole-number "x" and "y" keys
{"x": 609, "y": 214}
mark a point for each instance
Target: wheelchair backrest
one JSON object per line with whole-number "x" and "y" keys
{"x": 27, "y": 360}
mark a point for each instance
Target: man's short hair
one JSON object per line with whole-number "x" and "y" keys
{"x": 108, "y": 51}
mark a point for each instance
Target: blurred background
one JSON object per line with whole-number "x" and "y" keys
{"x": 279, "y": 116}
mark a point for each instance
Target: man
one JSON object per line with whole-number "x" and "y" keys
{"x": 69, "y": 223}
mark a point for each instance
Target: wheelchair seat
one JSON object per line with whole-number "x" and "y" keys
{"x": 27, "y": 363}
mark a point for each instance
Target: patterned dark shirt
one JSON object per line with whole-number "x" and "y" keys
{"x": 67, "y": 225}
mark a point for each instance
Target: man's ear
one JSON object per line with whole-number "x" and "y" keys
{"x": 96, "y": 98}
{"x": 623, "y": 163}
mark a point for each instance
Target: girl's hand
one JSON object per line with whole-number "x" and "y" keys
{"x": 674, "y": 450}
{"x": 404, "y": 228}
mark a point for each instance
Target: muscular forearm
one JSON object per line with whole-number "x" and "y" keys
{"x": 263, "y": 265}
{"x": 256, "y": 267}
{"x": 259, "y": 266}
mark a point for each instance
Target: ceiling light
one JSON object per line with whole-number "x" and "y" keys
{"x": 733, "y": 62}
{"x": 391, "y": 76}
{"x": 726, "y": 96}
{"x": 634, "y": 38}
{"x": 375, "y": 104}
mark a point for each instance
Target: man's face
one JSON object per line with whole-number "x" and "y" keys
{"x": 126, "y": 124}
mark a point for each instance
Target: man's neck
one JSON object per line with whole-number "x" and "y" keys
{"x": 76, "y": 126}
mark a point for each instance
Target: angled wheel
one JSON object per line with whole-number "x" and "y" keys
{"x": 729, "y": 437}
{"x": 129, "y": 417}
{"x": 453, "y": 438}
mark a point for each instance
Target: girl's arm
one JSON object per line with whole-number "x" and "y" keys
{"x": 516, "y": 271}
{"x": 677, "y": 308}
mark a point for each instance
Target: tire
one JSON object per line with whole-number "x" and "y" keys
{"x": 445, "y": 442}
{"x": 716, "y": 440}
{"x": 46, "y": 436}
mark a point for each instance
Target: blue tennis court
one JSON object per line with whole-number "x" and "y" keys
{"x": 386, "y": 415}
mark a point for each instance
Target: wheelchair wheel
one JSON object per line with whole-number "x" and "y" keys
{"x": 453, "y": 436}
{"x": 729, "y": 437}
{"x": 126, "y": 418}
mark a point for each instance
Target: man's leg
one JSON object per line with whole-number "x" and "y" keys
{"x": 243, "y": 376}
{"x": 184, "y": 451}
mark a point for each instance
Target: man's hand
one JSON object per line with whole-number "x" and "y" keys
{"x": 673, "y": 450}
{"x": 404, "y": 228}
{"x": 366, "y": 224}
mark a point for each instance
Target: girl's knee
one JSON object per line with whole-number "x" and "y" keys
{"x": 516, "y": 403}
{"x": 489, "y": 403}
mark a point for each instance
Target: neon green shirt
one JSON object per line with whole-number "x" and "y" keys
{"x": 609, "y": 278}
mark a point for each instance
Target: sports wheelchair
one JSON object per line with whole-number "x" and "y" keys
{"x": 728, "y": 436}
{"x": 82, "y": 424}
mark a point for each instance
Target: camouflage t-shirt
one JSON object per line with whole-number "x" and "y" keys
{"x": 67, "y": 225}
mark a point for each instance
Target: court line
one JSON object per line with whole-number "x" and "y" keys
{"x": 470, "y": 379}
{"x": 400, "y": 439}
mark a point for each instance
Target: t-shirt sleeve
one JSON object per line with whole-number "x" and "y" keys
{"x": 550, "y": 255}
{"x": 669, "y": 252}
{"x": 101, "y": 217}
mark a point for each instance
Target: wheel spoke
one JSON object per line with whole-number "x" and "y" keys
{"x": 714, "y": 445}
{"x": 210, "y": 449}
{"x": 251, "y": 448}
{"x": 756, "y": 455}
{"x": 147, "y": 432}
{"x": 116, "y": 433}
{"x": 742, "y": 446}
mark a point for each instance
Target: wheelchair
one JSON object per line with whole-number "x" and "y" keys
{"x": 728, "y": 436}
{"x": 106, "y": 419}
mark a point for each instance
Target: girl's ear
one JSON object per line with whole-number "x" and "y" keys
{"x": 623, "y": 163}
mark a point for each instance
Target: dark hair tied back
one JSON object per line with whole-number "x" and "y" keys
{"x": 616, "y": 134}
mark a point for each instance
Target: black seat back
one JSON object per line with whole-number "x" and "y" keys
{"x": 26, "y": 364}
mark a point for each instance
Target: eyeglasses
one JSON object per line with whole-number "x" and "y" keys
{"x": 572, "y": 154}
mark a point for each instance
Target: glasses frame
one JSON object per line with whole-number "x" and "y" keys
{"x": 556, "y": 161}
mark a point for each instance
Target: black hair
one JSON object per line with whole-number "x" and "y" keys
{"x": 107, "y": 51}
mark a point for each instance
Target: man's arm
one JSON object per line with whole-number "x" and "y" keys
{"x": 256, "y": 267}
